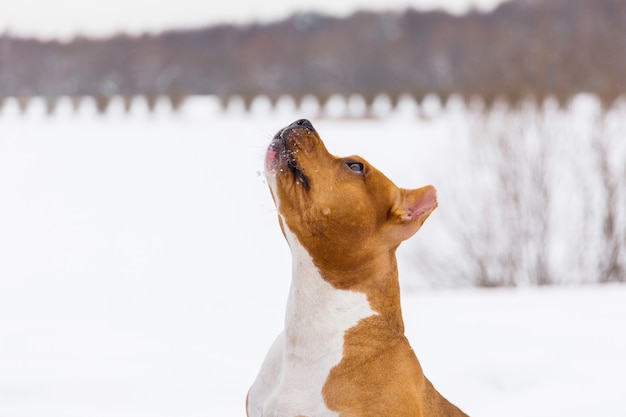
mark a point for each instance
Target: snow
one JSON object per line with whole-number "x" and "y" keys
{"x": 143, "y": 273}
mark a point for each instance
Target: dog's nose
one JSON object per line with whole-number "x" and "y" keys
{"x": 303, "y": 123}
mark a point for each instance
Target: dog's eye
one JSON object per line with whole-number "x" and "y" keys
{"x": 356, "y": 167}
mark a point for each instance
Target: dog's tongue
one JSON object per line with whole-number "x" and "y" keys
{"x": 270, "y": 159}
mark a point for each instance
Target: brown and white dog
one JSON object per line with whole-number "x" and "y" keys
{"x": 343, "y": 351}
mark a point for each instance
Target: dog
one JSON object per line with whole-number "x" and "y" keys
{"x": 343, "y": 351}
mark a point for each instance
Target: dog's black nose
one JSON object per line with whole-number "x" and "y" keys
{"x": 302, "y": 123}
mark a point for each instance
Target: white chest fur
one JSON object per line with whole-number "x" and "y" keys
{"x": 296, "y": 367}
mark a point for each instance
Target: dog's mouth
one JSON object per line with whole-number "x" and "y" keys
{"x": 280, "y": 157}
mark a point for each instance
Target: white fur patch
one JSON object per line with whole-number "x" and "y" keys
{"x": 298, "y": 364}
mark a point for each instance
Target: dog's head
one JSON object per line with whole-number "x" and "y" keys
{"x": 337, "y": 206}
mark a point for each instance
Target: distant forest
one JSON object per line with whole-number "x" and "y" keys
{"x": 522, "y": 49}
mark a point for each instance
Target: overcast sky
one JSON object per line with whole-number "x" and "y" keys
{"x": 65, "y": 18}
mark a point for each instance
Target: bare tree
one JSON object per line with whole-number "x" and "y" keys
{"x": 612, "y": 175}
{"x": 540, "y": 200}
{"x": 508, "y": 240}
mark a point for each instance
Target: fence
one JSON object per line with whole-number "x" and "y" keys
{"x": 355, "y": 105}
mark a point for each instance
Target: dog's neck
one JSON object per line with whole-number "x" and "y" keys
{"x": 318, "y": 314}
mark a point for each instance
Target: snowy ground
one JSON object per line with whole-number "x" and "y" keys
{"x": 142, "y": 273}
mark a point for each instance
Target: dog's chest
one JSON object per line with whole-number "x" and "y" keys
{"x": 297, "y": 366}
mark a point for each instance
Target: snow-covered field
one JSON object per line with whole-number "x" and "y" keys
{"x": 142, "y": 273}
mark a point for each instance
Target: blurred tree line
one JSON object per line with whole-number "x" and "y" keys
{"x": 522, "y": 49}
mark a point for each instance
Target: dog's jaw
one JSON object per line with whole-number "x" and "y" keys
{"x": 281, "y": 159}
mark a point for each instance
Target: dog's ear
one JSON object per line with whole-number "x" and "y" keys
{"x": 412, "y": 210}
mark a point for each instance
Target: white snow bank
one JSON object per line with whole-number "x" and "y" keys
{"x": 142, "y": 273}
